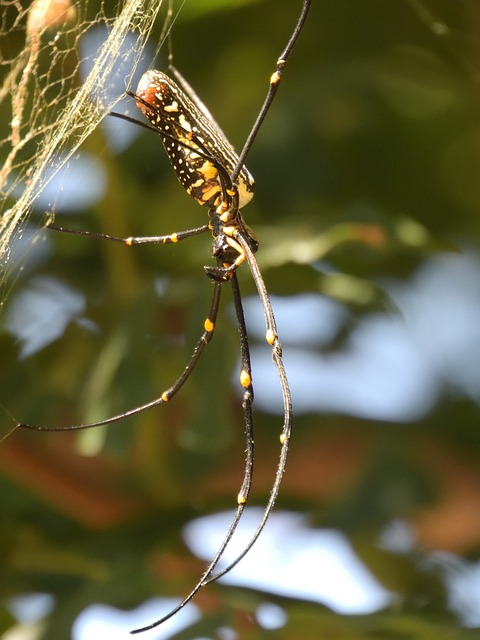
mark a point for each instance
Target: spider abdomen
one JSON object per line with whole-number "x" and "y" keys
{"x": 184, "y": 129}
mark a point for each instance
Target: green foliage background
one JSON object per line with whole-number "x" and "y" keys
{"x": 369, "y": 159}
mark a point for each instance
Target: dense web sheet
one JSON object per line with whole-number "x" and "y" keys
{"x": 47, "y": 107}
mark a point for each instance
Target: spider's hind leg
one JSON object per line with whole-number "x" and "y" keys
{"x": 242, "y": 496}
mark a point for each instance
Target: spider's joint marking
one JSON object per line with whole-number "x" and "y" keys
{"x": 245, "y": 379}
{"x": 283, "y": 438}
{"x": 241, "y": 498}
{"x": 209, "y": 326}
{"x": 275, "y": 77}
{"x": 271, "y": 337}
{"x": 165, "y": 396}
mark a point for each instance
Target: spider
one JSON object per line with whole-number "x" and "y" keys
{"x": 216, "y": 177}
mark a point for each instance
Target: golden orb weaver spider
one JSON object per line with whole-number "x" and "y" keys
{"x": 212, "y": 173}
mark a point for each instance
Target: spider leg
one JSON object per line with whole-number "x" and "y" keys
{"x": 165, "y": 396}
{"x": 271, "y": 335}
{"x": 272, "y": 89}
{"x": 246, "y": 382}
{"x": 272, "y": 339}
{"x": 131, "y": 240}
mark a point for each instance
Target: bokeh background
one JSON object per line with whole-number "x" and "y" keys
{"x": 367, "y": 212}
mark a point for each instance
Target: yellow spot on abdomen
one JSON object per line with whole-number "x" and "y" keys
{"x": 208, "y": 170}
{"x": 171, "y": 107}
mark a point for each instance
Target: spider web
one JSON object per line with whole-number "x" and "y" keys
{"x": 47, "y": 109}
